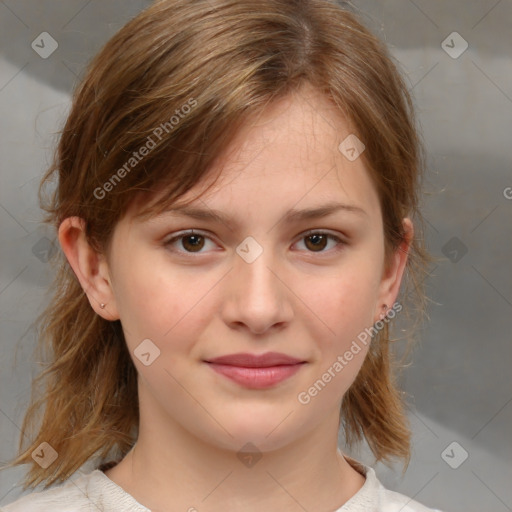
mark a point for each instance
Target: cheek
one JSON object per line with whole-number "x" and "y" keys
{"x": 160, "y": 303}
{"x": 139, "y": 296}
{"x": 341, "y": 303}
{"x": 344, "y": 303}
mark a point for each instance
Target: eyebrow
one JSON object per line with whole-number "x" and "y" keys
{"x": 291, "y": 216}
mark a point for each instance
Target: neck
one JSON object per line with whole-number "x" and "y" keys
{"x": 172, "y": 465}
{"x": 184, "y": 471}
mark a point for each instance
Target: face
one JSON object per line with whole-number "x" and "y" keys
{"x": 265, "y": 278}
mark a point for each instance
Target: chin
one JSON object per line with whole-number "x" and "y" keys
{"x": 267, "y": 433}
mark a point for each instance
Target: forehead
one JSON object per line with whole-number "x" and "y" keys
{"x": 288, "y": 156}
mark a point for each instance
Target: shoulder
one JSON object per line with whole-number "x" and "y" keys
{"x": 86, "y": 493}
{"x": 391, "y": 501}
{"x": 374, "y": 497}
{"x": 71, "y": 496}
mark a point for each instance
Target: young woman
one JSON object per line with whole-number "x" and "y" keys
{"x": 236, "y": 188}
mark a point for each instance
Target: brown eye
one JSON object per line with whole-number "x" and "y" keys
{"x": 192, "y": 243}
{"x": 189, "y": 243}
{"x": 318, "y": 242}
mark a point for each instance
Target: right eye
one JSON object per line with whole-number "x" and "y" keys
{"x": 191, "y": 241}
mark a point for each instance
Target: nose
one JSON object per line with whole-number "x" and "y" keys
{"x": 257, "y": 296}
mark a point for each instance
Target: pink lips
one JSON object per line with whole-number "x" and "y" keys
{"x": 256, "y": 371}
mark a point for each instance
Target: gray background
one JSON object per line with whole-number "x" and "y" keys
{"x": 460, "y": 383}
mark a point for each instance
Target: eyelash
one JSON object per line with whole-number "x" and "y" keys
{"x": 191, "y": 232}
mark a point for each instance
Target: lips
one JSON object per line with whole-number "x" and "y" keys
{"x": 256, "y": 371}
{"x": 256, "y": 361}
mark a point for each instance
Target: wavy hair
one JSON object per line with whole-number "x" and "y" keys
{"x": 227, "y": 60}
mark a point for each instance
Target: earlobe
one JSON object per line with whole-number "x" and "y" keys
{"x": 89, "y": 266}
{"x": 392, "y": 278}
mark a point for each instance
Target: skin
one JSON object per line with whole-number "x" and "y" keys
{"x": 306, "y": 298}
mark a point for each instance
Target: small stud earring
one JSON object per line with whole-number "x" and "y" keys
{"x": 102, "y": 306}
{"x": 384, "y": 314}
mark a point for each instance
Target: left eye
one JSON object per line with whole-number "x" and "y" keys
{"x": 318, "y": 240}
{"x": 193, "y": 242}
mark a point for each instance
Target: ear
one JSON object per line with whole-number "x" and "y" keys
{"x": 90, "y": 267}
{"x": 393, "y": 273}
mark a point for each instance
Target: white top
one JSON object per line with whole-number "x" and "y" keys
{"x": 94, "y": 492}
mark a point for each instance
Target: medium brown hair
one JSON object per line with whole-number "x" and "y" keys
{"x": 227, "y": 60}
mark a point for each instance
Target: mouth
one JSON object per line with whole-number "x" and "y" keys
{"x": 256, "y": 371}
